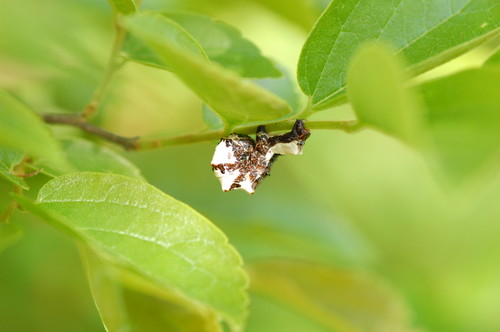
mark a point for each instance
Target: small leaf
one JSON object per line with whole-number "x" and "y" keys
{"x": 378, "y": 95}
{"x": 235, "y": 100}
{"x": 23, "y": 130}
{"x": 123, "y": 6}
{"x": 8, "y": 160}
{"x": 222, "y": 43}
{"x": 157, "y": 236}
{"x": 123, "y": 308}
{"x": 339, "y": 300}
{"x": 86, "y": 156}
{"x": 427, "y": 34}
{"x": 9, "y": 235}
{"x": 464, "y": 119}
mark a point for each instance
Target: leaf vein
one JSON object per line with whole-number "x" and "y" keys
{"x": 161, "y": 244}
{"x": 333, "y": 46}
{"x": 432, "y": 29}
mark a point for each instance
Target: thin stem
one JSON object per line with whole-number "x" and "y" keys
{"x": 347, "y": 126}
{"x": 306, "y": 112}
{"x": 135, "y": 143}
{"x": 79, "y": 121}
{"x": 112, "y": 67}
{"x": 149, "y": 144}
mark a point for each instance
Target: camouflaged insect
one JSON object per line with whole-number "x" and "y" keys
{"x": 239, "y": 162}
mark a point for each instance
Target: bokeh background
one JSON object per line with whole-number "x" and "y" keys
{"x": 359, "y": 201}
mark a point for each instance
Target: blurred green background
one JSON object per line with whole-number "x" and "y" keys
{"x": 359, "y": 201}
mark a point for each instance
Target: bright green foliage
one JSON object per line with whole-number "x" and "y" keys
{"x": 286, "y": 88}
{"x": 10, "y": 157}
{"x": 226, "y": 46}
{"x": 464, "y": 119}
{"x": 123, "y": 6}
{"x": 210, "y": 118}
{"x": 425, "y": 33}
{"x": 86, "y": 156}
{"x": 9, "y": 235}
{"x": 338, "y": 300}
{"x": 136, "y": 49}
{"x": 23, "y": 130}
{"x": 355, "y": 201}
{"x": 8, "y": 160}
{"x": 123, "y": 308}
{"x": 107, "y": 293}
{"x": 377, "y": 93}
{"x": 152, "y": 233}
{"x": 494, "y": 59}
{"x": 235, "y": 100}
{"x": 222, "y": 43}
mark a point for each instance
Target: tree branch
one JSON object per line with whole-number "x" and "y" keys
{"x": 79, "y": 121}
{"x": 285, "y": 125}
{"x": 136, "y": 143}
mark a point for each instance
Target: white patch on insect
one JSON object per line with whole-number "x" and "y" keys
{"x": 223, "y": 155}
{"x": 247, "y": 184}
{"x": 293, "y": 148}
{"x": 239, "y": 162}
{"x": 227, "y": 179}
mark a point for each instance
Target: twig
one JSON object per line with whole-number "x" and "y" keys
{"x": 79, "y": 121}
{"x": 136, "y": 143}
{"x": 147, "y": 144}
{"x": 112, "y": 67}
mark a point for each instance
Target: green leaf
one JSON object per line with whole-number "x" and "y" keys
{"x": 225, "y": 45}
{"x": 339, "y": 300}
{"x": 464, "y": 119}
{"x": 137, "y": 50}
{"x": 494, "y": 59}
{"x": 9, "y": 235}
{"x": 222, "y": 43}
{"x": 233, "y": 99}
{"x": 377, "y": 93}
{"x": 107, "y": 294}
{"x": 123, "y": 308}
{"x": 211, "y": 119}
{"x": 86, "y": 156}
{"x": 123, "y": 6}
{"x": 23, "y": 130}
{"x": 157, "y": 236}
{"x": 426, "y": 34}
{"x": 284, "y": 87}
{"x": 8, "y": 160}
